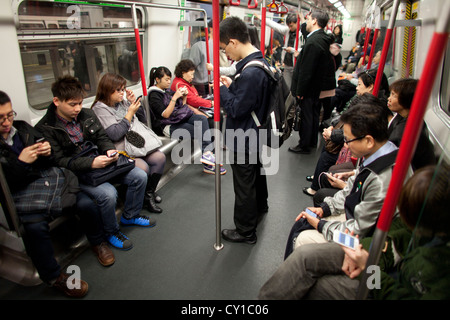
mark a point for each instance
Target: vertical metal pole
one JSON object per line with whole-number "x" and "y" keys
{"x": 409, "y": 141}
{"x": 263, "y": 27}
{"x": 218, "y": 150}
{"x": 384, "y": 52}
{"x": 139, "y": 50}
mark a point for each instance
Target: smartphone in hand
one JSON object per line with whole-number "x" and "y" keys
{"x": 345, "y": 239}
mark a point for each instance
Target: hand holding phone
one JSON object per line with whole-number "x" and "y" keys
{"x": 40, "y": 140}
{"x": 312, "y": 214}
{"x": 345, "y": 239}
{"x": 112, "y": 154}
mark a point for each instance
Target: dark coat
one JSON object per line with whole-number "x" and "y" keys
{"x": 19, "y": 174}
{"x": 64, "y": 149}
{"x": 314, "y": 70}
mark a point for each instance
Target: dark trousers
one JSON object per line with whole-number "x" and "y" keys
{"x": 39, "y": 245}
{"x": 326, "y": 160}
{"x": 309, "y": 122}
{"x": 250, "y": 190}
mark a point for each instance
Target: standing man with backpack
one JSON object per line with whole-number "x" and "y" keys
{"x": 314, "y": 66}
{"x": 248, "y": 93}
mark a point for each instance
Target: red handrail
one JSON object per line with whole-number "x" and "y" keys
{"x": 410, "y": 136}
{"x": 263, "y": 29}
{"x": 366, "y": 44}
{"x": 374, "y": 42}
{"x": 139, "y": 51}
{"x": 238, "y": 2}
{"x": 252, "y": 6}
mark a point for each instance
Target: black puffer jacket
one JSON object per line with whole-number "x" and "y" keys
{"x": 64, "y": 149}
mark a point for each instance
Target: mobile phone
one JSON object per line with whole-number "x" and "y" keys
{"x": 345, "y": 239}
{"x": 312, "y": 214}
{"x": 112, "y": 154}
{"x": 138, "y": 97}
{"x": 40, "y": 140}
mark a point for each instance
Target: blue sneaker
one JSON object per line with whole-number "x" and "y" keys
{"x": 212, "y": 169}
{"x": 139, "y": 220}
{"x": 120, "y": 241}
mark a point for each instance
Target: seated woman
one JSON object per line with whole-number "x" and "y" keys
{"x": 399, "y": 102}
{"x": 116, "y": 114}
{"x": 184, "y": 74}
{"x": 173, "y": 113}
{"x": 333, "y": 135}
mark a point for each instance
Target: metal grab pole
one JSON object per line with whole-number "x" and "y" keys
{"x": 139, "y": 50}
{"x": 409, "y": 141}
{"x": 263, "y": 27}
{"x": 384, "y": 51}
{"x": 218, "y": 245}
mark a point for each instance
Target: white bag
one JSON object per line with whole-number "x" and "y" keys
{"x": 140, "y": 140}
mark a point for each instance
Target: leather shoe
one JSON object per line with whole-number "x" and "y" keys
{"x": 233, "y": 236}
{"x": 298, "y": 149}
{"x": 309, "y": 178}
{"x": 104, "y": 254}
{"x": 309, "y": 191}
{"x": 76, "y": 292}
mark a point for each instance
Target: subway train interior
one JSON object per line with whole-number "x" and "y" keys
{"x": 184, "y": 256}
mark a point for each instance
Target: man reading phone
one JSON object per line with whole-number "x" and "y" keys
{"x": 357, "y": 206}
{"x": 67, "y": 125}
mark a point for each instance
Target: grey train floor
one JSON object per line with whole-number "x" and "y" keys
{"x": 177, "y": 260}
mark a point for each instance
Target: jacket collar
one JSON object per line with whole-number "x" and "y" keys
{"x": 252, "y": 56}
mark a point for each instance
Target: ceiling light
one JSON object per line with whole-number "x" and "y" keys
{"x": 332, "y": 1}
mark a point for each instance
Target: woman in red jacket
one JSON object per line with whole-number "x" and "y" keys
{"x": 184, "y": 74}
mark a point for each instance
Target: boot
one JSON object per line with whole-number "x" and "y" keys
{"x": 150, "y": 201}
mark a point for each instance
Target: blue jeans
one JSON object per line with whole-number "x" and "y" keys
{"x": 194, "y": 121}
{"x": 105, "y": 196}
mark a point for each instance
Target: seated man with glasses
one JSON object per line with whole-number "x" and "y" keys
{"x": 357, "y": 206}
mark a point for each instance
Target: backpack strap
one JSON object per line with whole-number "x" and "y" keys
{"x": 263, "y": 66}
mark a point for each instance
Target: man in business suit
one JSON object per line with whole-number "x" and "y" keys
{"x": 314, "y": 67}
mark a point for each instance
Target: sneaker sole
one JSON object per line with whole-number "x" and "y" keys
{"x": 209, "y": 163}
{"x": 136, "y": 225}
{"x": 209, "y": 172}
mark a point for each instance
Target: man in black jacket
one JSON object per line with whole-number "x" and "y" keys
{"x": 23, "y": 158}
{"x": 67, "y": 125}
{"x": 312, "y": 69}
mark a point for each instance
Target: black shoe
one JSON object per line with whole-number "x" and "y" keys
{"x": 233, "y": 236}
{"x": 309, "y": 178}
{"x": 305, "y": 191}
{"x": 298, "y": 149}
{"x": 158, "y": 198}
{"x": 150, "y": 203}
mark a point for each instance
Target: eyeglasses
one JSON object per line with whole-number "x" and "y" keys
{"x": 351, "y": 140}
{"x": 223, "y": 50}
{"x": 10, "y": 117}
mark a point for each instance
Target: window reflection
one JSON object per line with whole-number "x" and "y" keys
{"x": 87, "y": 60}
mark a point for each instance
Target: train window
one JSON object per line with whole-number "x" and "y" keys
{"x": 72, "y": 15}
{"x": 87, "y": 60}
{"x": 445, "y": 84}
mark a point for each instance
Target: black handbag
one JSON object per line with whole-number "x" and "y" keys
{"x": 98, "y": 176}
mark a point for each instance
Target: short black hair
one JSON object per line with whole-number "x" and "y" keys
{"x": 321, "y": 17}
{"x": 368, "y": 116}
{"x": 405, "y": 88}
{"x": 291, "y": 17}
{"x": 4, "y": 98}
{"x": 233, "y": 28}
{"x": 67, "y": 87}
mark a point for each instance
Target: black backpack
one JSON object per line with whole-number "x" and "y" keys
{"x": 278, "y": 119}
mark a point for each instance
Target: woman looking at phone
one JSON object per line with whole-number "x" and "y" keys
{"x": 116, "y": 113}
